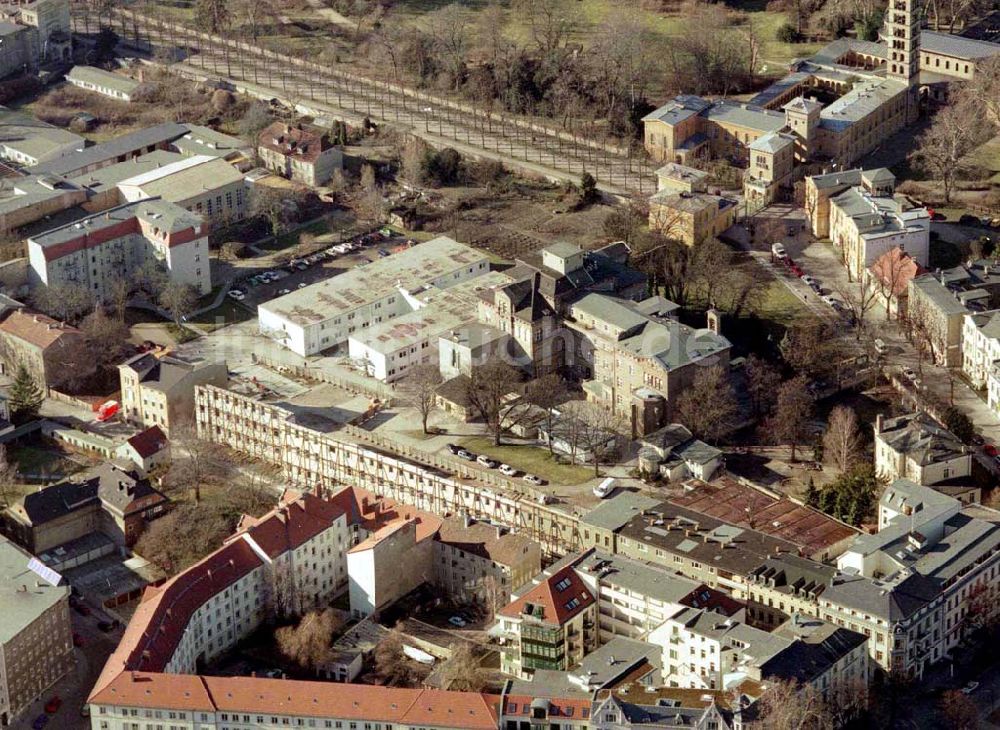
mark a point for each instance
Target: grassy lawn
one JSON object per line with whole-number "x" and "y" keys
{"x": 532, "y": 459}
{"x": 32, "y": 461}
{"x": 778, "y": 304}
{"x": 989, "y": 157}
{"x": 227, "y": 313}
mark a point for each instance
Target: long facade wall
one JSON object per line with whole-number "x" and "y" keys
{"x": 309, "y": 457}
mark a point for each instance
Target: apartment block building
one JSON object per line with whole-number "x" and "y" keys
{"x": 387, "y": 351}
{"x": 310, "y": 455}
{"x": 940, "y": 316}
{"x": 641, "y": 357}
{"x": 143, "y": 699}
{"x": 326, "y": 314}
{"x": 916, "y": 588}
{"x": 158, "y": 390}
{"x": 97, "y": 251}
{"x": 551, "y": 625}
{"x": 916, "y": 447}
{"x": 482, "y": 563}
{"x": 36, "y": 642}
{"x": 981, "y": 347}
{"x": 54, "y": 353}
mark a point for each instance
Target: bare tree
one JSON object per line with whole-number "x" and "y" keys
{"x": 956, "y": 130}
{"x": 810, "y": 347}
{"x": 842, "y": 440}
{"x": 786, "y": 705}
{"x": 792, "y": 413}
{"x": 859, "y": 304}
{"x": 253, "y": 14}
{"x": 959, "y": 711}
{"x": 369, "y": 201}
{"x": 68, "y": 302}
{"x": 983, "y": 92}
{"x": 550, "y": 21}
{"x": 546, "y": 392}
{"x": 8, "y": 477}
{"x": 463, "y": 672}
{"x": 708, "y": 406}
{"x": 763, "y": 379}
{"x": 178, "y": 299}
{"x": 194, "y": 461}
{"x": 307, "y": 643}
{"x": 600, "y": 430}
{"x": 889, "y": 278}
{"x": 419, "y": 389}
{"x": 391, "y": 663}
{"x": 107, "y": 337}
{"x": 491, "y": 389}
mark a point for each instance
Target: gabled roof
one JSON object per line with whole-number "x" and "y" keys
{"x": 36, "y": 328}
{"x": 555, "y": 600}
{"x": 291, "y": 524}
{"x": 149, "y": 442}
{"x": 896, "y": 268}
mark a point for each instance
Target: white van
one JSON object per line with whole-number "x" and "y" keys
{"x": 605, "y": 488}
{"x": 778, "y": 250}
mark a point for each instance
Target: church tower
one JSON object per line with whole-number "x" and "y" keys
{"x": 902, "y": 37}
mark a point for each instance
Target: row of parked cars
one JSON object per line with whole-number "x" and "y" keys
{"x": 779, "y": 252}
{"x": 240, "y": 291}
{"x": 491, "y": 463}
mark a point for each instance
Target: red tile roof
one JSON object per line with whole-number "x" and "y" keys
{"x": 36, "y": 328}
{"x": 291, "y": 524}
{"x": 568, "y": 707}
{"x": 399, "y": 706}
{"x": 158, "y": 623}
{"x": 738, "y": 504}
{"x": 560, "y": 597}
{"x": 297, "y": 142}
{"x": 149, "y": 442}
{"x": 895, "y": 268}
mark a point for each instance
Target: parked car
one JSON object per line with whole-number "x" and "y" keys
{"x": 880, "y": 347}
{"x": 383, "y": 253}
{"x": 778, "y": 250}
{"x": 274, "y": 674}
{"x": 236, "y": 294}
{"x": 970, "y": 688}
{"x": 996, "y": 460}
{"x": 532, "y": 479}
{"x": 467, "y": 455}
{"x": 605, "y": 488}
{"x": 453, "y": 448}
{"x": 301, "y": 285}
{"x": 487, "y": 461}
{"x": 282, "y": 292}
{"x": 508, "y": 470}
{"x": 53, "y": 705}
{"x": 989, "y": 449}
{"x": 40, "y": 722}
{"x": 82, "y": 608}
{"x": 811, "y": 282}
{"x": 828, "y": 298}
{"x": 796, "y": 270}
{"x": 107, "y": 626}
{"x": 909, "y": 374}
{"x": 301, "y": 266}
{"x": 457, "y": 621}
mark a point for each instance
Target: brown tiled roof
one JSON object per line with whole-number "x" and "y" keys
{"x": 294, "y": 141}
{"x": 568, "y": 707}
{"x": 396, "y": 705}
{"x": 896, "y": 268}
{"x": 149, "y": 442}
{"x": 482, "y": 539}
{"x": 729, "y": 501}
{"x": 291, "y": 524}
{"x": 158, "y": 623}
{"x": 36, "y": 328}
{"x": 553, "y": 596}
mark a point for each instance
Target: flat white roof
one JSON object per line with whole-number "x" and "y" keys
{"x": 347, "y": 292}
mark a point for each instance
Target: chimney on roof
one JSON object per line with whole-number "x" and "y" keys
{"x": 467, "y": 520}
{"x": 500, "y": 531}
{"x": 318, "y": 490}
{"x": 878, "y": 423}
